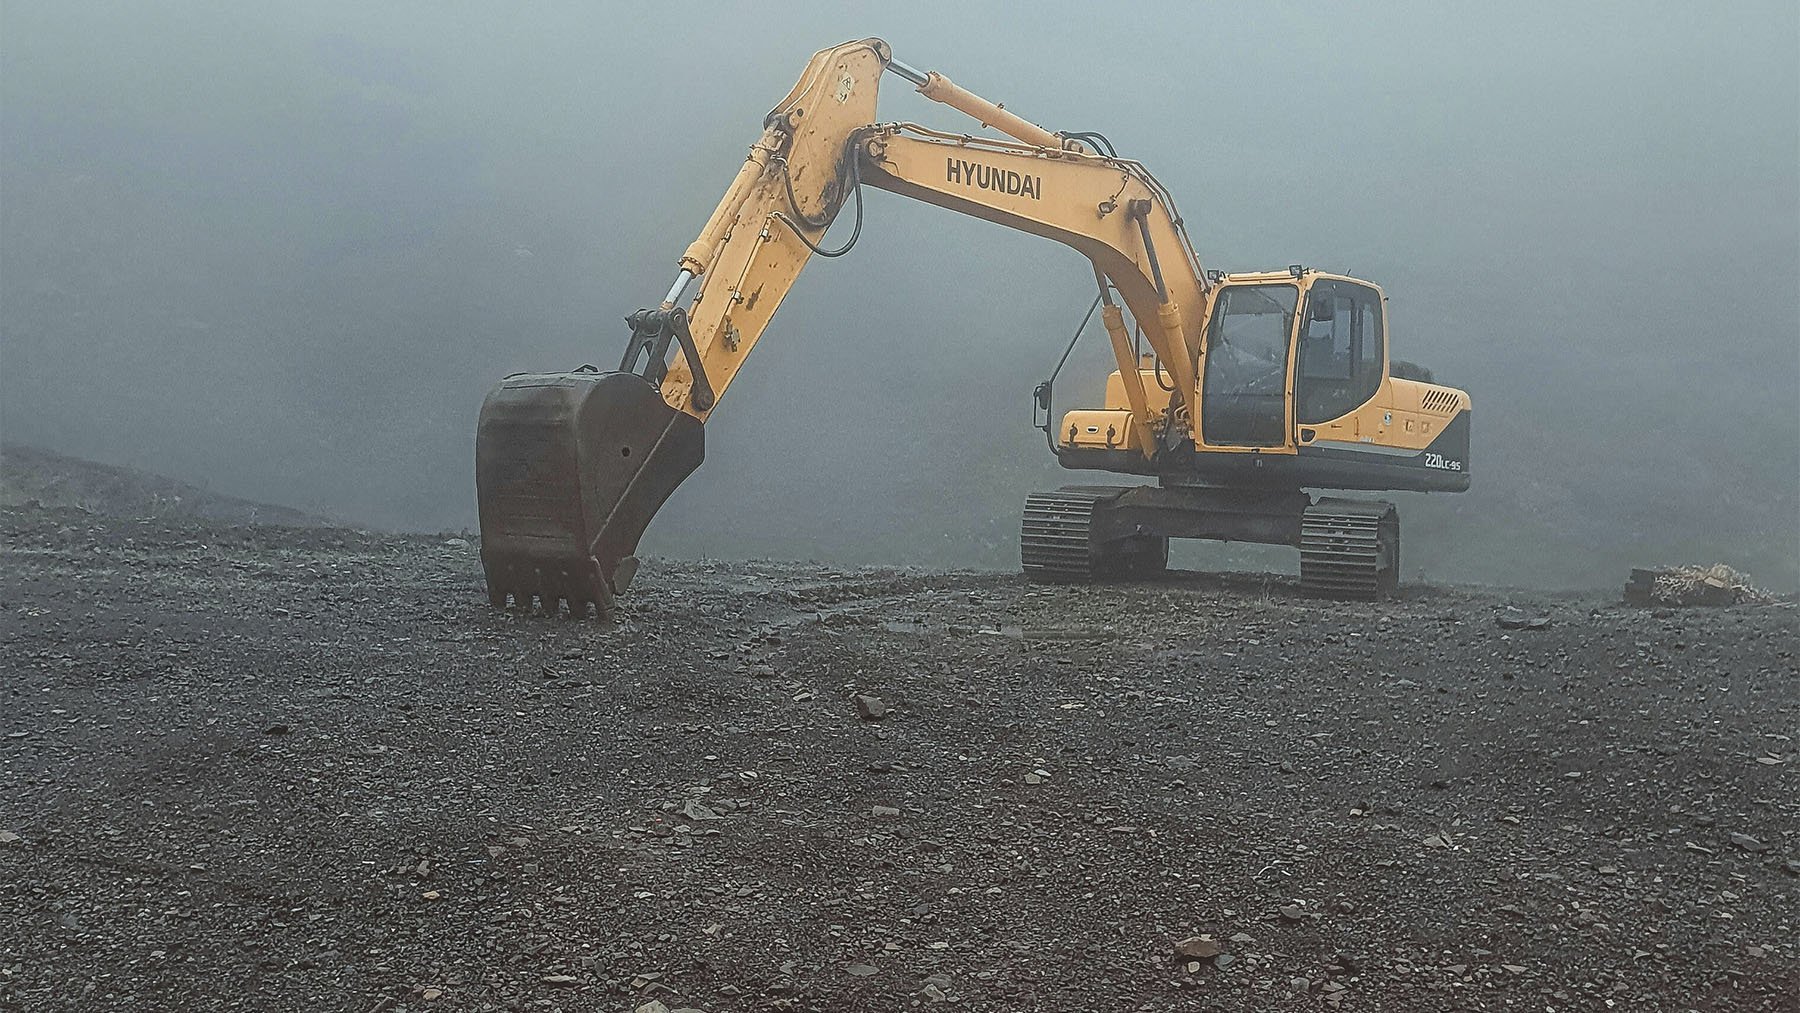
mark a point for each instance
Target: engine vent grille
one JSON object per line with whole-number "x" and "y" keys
{"x": 1443, "y": 402}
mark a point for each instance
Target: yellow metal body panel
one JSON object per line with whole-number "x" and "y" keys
{"x": 1116, "y": 429}
{"x": 1153, "y": 382}
{"x": 1405, "y": 414}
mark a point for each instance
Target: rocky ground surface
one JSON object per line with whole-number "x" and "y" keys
{"x": 306, "y": 769}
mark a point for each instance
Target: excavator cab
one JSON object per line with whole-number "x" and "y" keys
{"x": 1334, "y": 327}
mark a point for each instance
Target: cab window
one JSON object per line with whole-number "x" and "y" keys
{"x": 1339, "y": 351}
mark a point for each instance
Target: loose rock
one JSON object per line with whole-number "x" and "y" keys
{"x": 1197, "y": 948}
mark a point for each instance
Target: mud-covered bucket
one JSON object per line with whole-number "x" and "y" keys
{"x": 569, "y": 469}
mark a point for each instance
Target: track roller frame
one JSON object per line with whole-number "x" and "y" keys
{"x": 1348, "y": 548}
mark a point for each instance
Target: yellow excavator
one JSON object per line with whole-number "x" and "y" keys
{"x": 1237, "y": 393}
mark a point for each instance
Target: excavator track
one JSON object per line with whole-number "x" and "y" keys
{"x": 1062, "y": 537}
{"x": 1350, "y": 549}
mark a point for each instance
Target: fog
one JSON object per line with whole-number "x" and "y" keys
{"x": 284, "y": 250}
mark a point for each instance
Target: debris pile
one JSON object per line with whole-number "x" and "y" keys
{"x": 1694, "y": 585}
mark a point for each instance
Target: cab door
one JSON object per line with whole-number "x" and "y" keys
{"x": 1340, "y": 354}
{"x": 1244, "y": 384}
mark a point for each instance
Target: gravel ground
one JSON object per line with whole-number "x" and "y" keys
{"x": 270, "y": 769}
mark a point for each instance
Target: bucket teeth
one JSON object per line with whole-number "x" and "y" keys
{"x": 548, "y": 590}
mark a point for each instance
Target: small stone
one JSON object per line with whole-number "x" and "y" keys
{"x": 8, "y": 837}
{"x": 1748, "y": 843}
{"x": 1514, "y": 968}
{"x": 934, "y": 993}
{"x": 1197, "y": 948}
{"x": 456, "y": 543}
{"x": 432, "y": 895}
{"x": 869, "y": 708}
{"x": 1293, "y": 912}
{"x": 693, "y": 810}
{"x": 1516, "y": 619}
{"x": 859, "y": 970}
{"x": 1191, "y": 967}
{"x": 277, "y": 729}
{"x": 431, "y": 993}
{"x": 653, "y": 1006}
{"x": 1299, "y": 984}
{"x": 1434, "y": 841}
{"x": 1242, "y": 938}
{"x": 563, "y": 981}
{"x": 1223, "y": 960}
{"x": 883, "y": 811}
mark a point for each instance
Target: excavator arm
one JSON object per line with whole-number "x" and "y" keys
{"x": 571, "y": 467}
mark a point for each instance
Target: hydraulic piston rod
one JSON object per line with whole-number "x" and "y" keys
{"x": 939, "y": 88}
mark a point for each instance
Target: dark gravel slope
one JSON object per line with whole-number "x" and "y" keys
{"x": 266, "y": 769}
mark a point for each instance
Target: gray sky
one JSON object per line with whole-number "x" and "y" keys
{"x": 285, "y": 250}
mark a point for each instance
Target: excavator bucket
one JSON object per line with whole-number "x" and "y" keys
{"x": 569, "y": 469}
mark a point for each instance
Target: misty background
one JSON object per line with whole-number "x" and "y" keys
{"x": 283, "y": 250}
